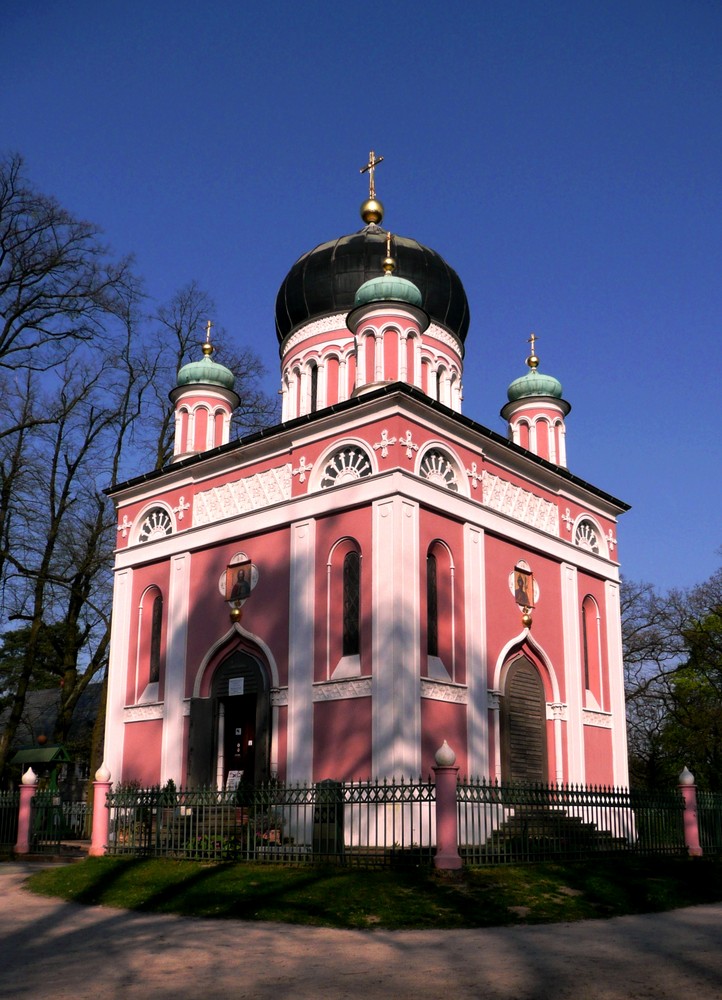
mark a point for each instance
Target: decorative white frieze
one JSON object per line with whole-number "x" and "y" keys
{"x": 439, "y": 691}
{"x": 354, "y": 687}
{"x": 557, "y": 710}
{"x": 602, "y": 720}
{"x": 279, "y": 697}
{"x": 501, "y": 495}
{"x": 142, "y": 713}
{"x": 243, "y": 495}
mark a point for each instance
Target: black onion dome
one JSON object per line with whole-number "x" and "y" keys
{"x": 325, "y": 280}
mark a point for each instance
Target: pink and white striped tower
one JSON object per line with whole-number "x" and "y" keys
{"x": 204, "y": 400}
{"x": 536, "y": 412}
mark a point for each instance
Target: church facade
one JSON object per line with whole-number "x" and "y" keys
{"x": 336, "y": 596}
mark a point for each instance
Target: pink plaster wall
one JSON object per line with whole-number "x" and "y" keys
{"x": 141, "y": 751}
{"x": 598, "y": 756}
{"x": 342, "y": 739}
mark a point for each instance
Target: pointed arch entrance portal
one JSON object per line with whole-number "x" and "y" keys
{"x": 523, "y": 724}
{"x": 229, "y": 733}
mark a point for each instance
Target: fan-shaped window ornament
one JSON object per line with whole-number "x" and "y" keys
{"x": 345, "y": 466}
{"x": 156, "y": 524}
{"x": 436, "y": 467}
{"x": 586, "y": 537}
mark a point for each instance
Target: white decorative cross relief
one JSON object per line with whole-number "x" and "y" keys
{"x": 182, "y": 506}
{"x": 568, "y": 519}
{"x": 385, "y": 443}
{"x": 611, "y": 540}
{"x": 302, "y": 470}
{"x": 124, "y": 525}
{"x": 407, "y": 443}
{"x": 474, "y": 475}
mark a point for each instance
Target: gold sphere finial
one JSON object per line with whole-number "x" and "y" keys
{"x": 372, "y": 211}
{"x": 236, "y": 614}
{"x": 389, "y": 264}
{"x": 533, "y": 361}
{"x": 526, "y": 618}
{"x": 207, "y": 347}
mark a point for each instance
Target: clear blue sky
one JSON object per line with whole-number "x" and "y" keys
{"x": 565, "y": 158}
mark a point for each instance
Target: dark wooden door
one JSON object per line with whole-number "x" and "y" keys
{"x": 523, "y": 724}
{"x": 239, "y": 737}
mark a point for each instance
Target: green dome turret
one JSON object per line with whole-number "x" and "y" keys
{"x": 388, "y": 288}
{"x": 206, "y": 371}
{"x": 534, "y": 383}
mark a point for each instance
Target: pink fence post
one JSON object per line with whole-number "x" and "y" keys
{"x": 27, "y": 791}
{"x": 101, "y": 814}
{"x": 447, "y": 825}
{"x": 691, "y": 825}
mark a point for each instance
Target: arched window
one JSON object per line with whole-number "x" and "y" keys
{"x": 592, "y": 654}
{"x": 155, "y": 639}
{"x": 437, "y": 467}
{"x": 432, "y": 607}
{"x": 344, "y": 466}
{"x": 314, "y": 387}
{"x": 586, "y": 536}
{"x": 344, "y": 600}
{"x": 440, "y": 618}
{"x": 351, "y": 603}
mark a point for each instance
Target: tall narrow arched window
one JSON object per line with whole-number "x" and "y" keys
{"x": 592, "y": 654}
{"x": 314, "y": 388}
{"x": 440, "y": 613}
{"x": 432, "y": 607}
{"x": 351, "y": 603}
{"x": 155, "y": 637}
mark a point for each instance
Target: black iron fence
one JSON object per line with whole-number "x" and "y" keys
{"x": 709, "y": 812}
{"x": 358, "y": 822}
{"x": 514, "y": 822}
{"x": 9, "y": 805}
{"x": 56, "y": 822}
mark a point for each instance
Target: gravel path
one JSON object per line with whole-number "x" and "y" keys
{"x": 62, "y": 950}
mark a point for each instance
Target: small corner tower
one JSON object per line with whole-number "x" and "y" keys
{"x": 204, "y": 400}
{"x": 536, "y": 411}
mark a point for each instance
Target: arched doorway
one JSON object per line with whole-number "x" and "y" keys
{"x": 229, "y": 733}
{"x": 523, "y": 724}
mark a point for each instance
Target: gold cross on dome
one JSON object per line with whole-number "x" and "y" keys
{"x": 532, "y": 340}
{"x": 208, "y": 331}
{"x": 370, "y": 168}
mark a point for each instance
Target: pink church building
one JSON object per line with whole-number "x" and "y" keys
{"x": 336, "y": 596}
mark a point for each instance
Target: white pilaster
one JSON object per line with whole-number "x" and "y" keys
{"x": 616, "y": 683}
{"x": 396, "y": 657}
{"x": 572, "y": 673}
{"x": 476, "y": 652}
{"x": 301, "y": 651}
{"x": 171, "y": 764}
{"x": 118, "y": 667}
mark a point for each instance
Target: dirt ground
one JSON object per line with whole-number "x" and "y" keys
{"x": 61, "y": 950}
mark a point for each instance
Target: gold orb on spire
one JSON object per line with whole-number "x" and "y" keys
{"x": 533, "y": 361}
{"x": 388, "y": 264}
{"x": 372, "y": 210}
{"x": 207, "y": 347}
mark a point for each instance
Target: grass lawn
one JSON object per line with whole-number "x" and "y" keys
{"x": 389, "y": 898}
